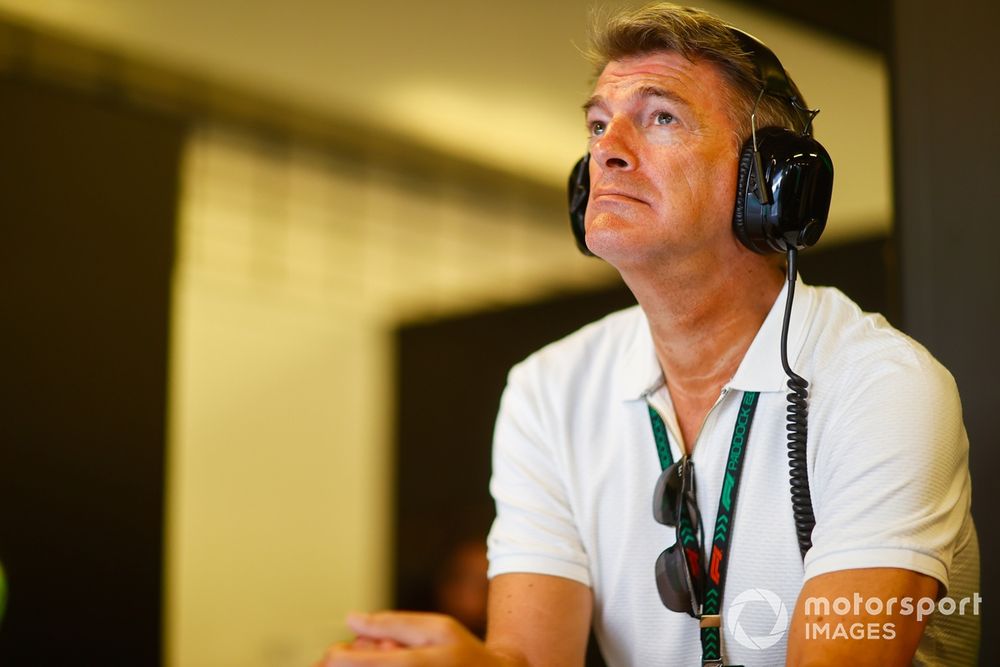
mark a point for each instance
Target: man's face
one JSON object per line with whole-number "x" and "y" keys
{"x": 663, "y": 163}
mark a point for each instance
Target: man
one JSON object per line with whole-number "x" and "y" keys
{"x": 576, "y": 460}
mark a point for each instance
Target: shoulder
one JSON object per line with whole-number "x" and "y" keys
{"x": 888, "y": 453}
{"x": 852, "y": 350}
{"x": 595, "y": 348}
{"x": 878, "y": 395}
{"x": 566, "y": 384}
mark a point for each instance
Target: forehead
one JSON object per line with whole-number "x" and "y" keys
{"x": 698, "y": 82}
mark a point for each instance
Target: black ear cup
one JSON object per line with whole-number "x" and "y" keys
{"x": 743, "y": 182}
{"x": 578, "y": 190}
{"x": 798, "y": 173}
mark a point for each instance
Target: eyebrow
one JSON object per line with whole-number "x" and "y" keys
{"x": 642, "y": 92}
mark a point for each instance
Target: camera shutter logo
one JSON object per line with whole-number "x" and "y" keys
{"x": 780, "y": 621}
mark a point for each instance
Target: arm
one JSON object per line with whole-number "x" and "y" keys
{"x": 543, "y": 621}
{"x": 871, "y": 639}
{"x": 540, "y": 600}
{"x": 891, "y": 494}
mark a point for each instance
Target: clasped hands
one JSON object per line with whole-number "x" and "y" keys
{"x": 409, "y": 639}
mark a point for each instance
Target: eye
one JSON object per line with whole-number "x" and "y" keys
{"x": 663, "y": 118}
{"x": 596, "y": 127}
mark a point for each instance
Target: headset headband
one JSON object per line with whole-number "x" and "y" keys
{"x": 769, "y": 68}
{"x": 774, "y": 79}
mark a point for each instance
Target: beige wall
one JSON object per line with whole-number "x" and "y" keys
{"x": 293, "y": 270}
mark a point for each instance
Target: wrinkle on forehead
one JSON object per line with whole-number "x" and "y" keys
{"x": 659, "y": 63}
{"x": 698, "y": 82}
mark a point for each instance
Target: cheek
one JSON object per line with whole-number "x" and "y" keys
{"x": 706, "y": 185}
{"x": 719, "y": 175}
{"x": 703, "y": 179}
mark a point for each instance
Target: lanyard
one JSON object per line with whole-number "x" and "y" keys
{"x": 711, "y": 642}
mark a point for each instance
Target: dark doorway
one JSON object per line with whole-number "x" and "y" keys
{"x": 88, "y": 193}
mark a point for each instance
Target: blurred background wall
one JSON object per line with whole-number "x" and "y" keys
{"x": 348, "y": 185}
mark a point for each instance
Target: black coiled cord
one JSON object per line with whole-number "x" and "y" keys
{"x": 798, "y": 427}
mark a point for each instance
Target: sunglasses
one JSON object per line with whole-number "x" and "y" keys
{"x": 678, "y": 573}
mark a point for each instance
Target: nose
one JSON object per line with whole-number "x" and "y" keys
{"x": 615, "y": 149}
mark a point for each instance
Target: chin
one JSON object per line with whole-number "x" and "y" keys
{"x": 619, "y": 248}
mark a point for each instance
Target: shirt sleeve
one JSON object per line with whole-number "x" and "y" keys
{"x": 534, "y": 530}
{"x": 890, "y": 482}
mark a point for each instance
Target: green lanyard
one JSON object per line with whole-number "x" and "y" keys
{"x": 711, "y": 642}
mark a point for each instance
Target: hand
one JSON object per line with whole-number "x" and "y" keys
{"x": 408, "y": 639}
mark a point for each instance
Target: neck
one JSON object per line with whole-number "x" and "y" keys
{"x": 702, "y": 323}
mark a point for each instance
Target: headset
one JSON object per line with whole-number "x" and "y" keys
{"x": 785, "y": 177}
{"x": 783, "y": 191}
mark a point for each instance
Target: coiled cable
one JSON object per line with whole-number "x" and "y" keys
{"x": 798, "y": 427}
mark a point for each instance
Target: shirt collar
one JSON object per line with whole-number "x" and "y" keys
{"x": 760, "y": 369}
{"x": 640, "y": 371}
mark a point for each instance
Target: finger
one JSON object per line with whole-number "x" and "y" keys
{"x": 388, "y": 644}
{"x": 364, "y": 643}
{"x": 406, "y": 628}
{"x": 368, "y": 643}
{"x": 343, "y": 655}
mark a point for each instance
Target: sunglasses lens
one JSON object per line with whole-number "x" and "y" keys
{"x": 673, "y": 581}
{"x": 666, "y": 494}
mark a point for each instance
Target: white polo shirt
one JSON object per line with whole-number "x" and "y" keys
{"x": 575, "y": 463}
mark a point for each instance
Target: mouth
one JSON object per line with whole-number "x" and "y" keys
{"x": 616, "y": 196}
